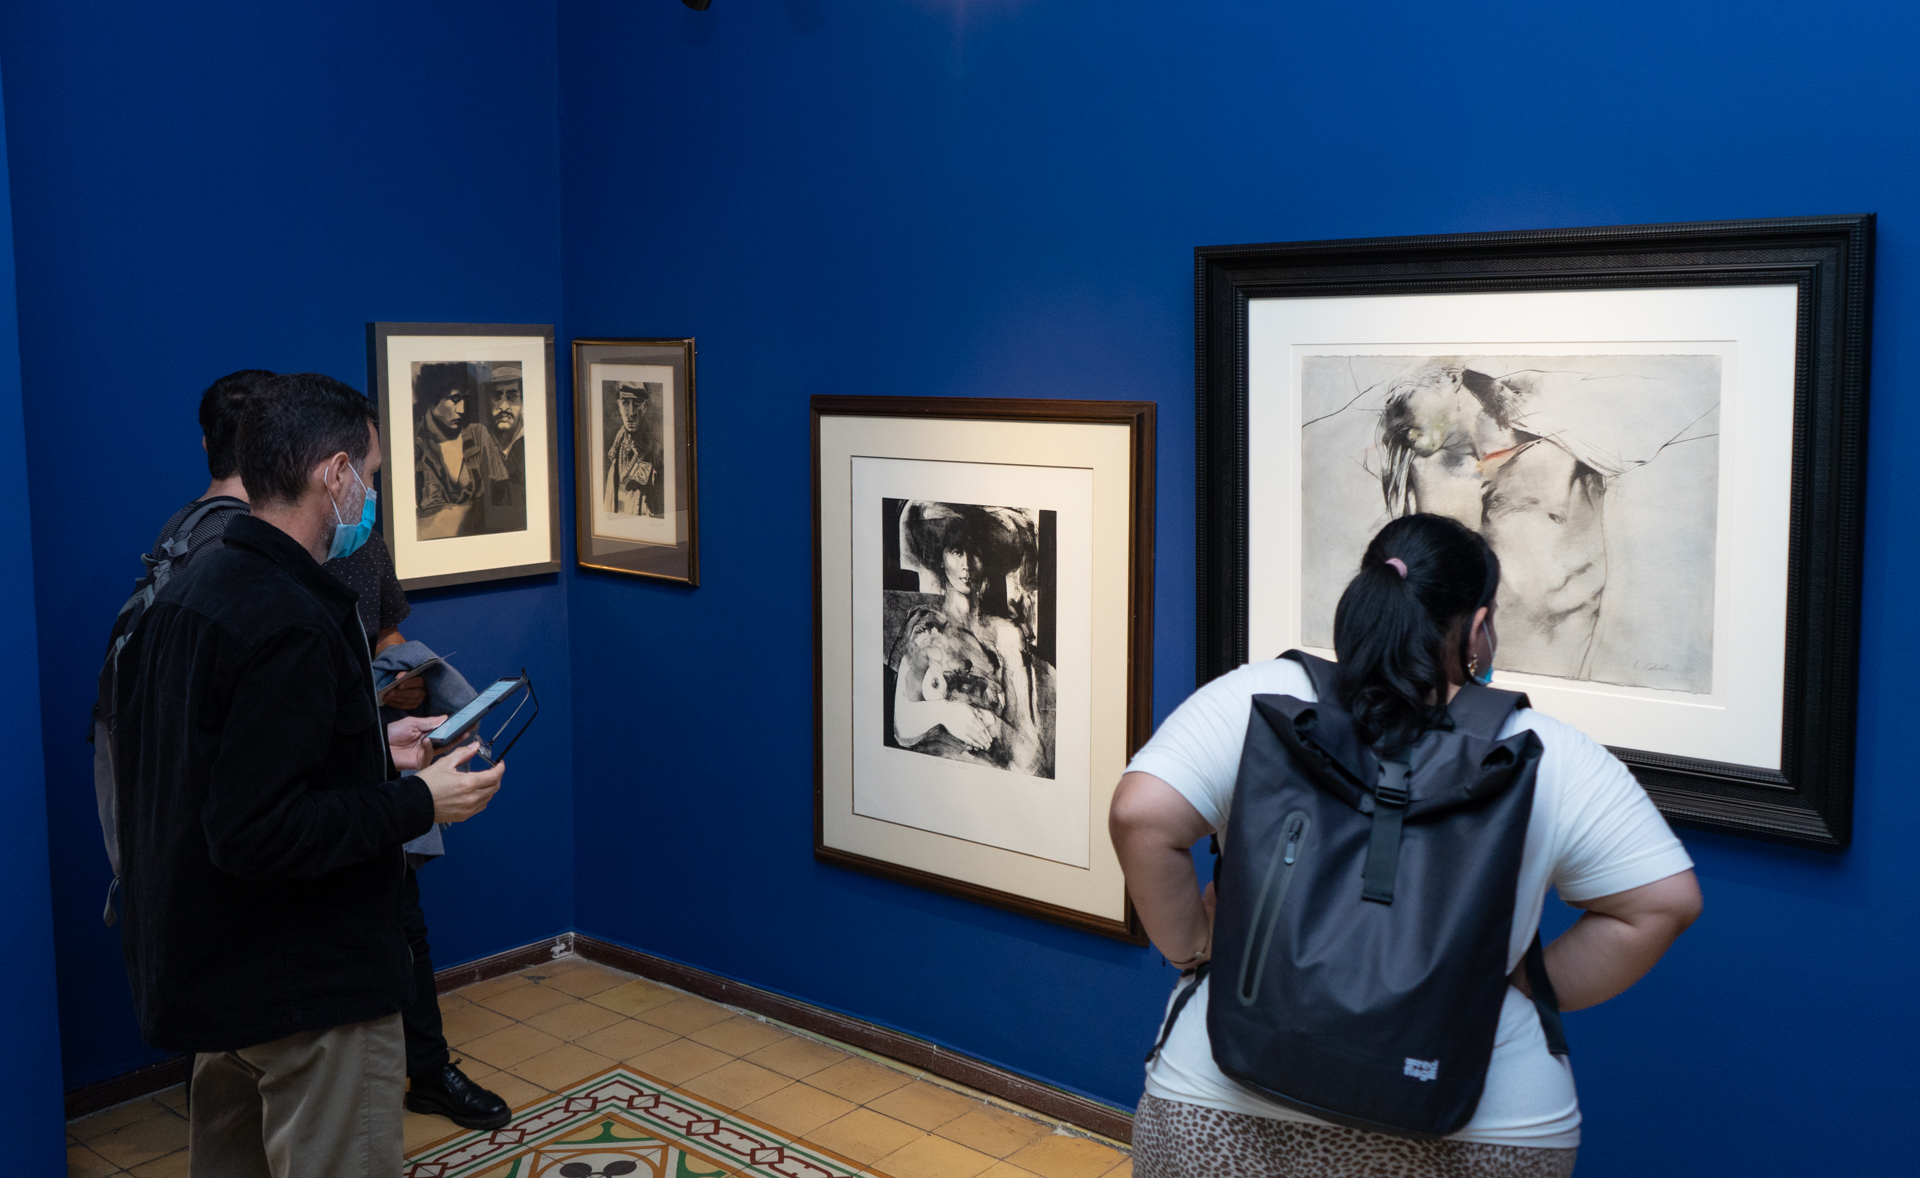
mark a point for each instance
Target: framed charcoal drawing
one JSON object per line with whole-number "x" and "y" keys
{"x": 472, "y": 472}
{"x": 1661, "y": 431}
{"x": 635, "y": 498}
{"x": 983, "y": 601}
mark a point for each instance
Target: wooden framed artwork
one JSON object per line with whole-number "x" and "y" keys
{"x": 983, "y": 638}
{"x": 1659, "y": 428}
{"x": 636, "y": 490}
{"x": 472, "y": 471}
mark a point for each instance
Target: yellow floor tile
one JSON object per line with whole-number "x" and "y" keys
{"x": 84, "y": 1163}
{"x": 174, "y": 1165}
{"x": 143, "y": 1140}
{"x": 1003, "y": 1170}
{"x": 864, "y": 1135}
{"x": 798, "y": 1109}
{"x": 574, "y": 1020}
{"x": 736, "y": 1084}
{"x": 587, "y": 979}
{"x": 107, "y": 1120}
{"x": 487, "y": 989}
{"x": 679, "y": 1061}
{"x": 524, "y": 1002}
{"x": 634, "y": 997}
{"x": 995, "y": 1131}
{"x": 933, "y": 1157}
{"x": 923, "y": 1105}
{"x": 626, "y": 1039}
{"x": 1123, "y": 1170}
{"x": 739, "y": 1035}
{"x": 507, "y": 1047}
{"x": 470, "y": 1022}
{"x": 563, "y": 1067}
{"x": 174, "y": 1098}
{"x": 1062, "y": 1156}
{"x": 685, "y": 1015}
{"x": 858, "y": 1080}
{"x": 798, "y": 1056}
{"x": 420, "y": 1129}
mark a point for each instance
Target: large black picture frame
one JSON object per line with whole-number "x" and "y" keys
{"x": 1829, "y": 260}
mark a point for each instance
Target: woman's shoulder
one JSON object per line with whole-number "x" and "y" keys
{"x": 1279, "y": 676}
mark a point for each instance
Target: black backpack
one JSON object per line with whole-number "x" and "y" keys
{"x": 174, "y": 550}
{"x": 1365, "y": 907}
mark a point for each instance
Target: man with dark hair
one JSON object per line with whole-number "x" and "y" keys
{"x": 504, "y": 508}
{"x": 435, "y": 1082}
{"x": 261, "y": 815}
{"x": 633, "y": 474}
{"x": 454, "y": 462}
{"x": 219, "y": 422}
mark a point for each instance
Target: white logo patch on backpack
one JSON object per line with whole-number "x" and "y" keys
{"x": 1422, "y": 1069}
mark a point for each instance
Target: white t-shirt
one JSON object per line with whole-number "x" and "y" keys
{"x": 1593, "y": 832}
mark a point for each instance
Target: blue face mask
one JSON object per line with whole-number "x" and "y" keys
{"x": 348, "y": 537}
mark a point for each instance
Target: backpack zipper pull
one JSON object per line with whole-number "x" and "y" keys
{"x": 1293, "y": 841}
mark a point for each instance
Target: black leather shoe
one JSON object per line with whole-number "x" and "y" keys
{"x": 450, "y": 1094}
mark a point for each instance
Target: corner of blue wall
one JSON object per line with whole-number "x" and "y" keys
{"x": 30, "y": 1107}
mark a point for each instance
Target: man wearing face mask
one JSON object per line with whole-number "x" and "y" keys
{"x": 262, "y": 817}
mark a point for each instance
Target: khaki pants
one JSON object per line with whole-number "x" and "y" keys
{"x": 318, "y": 1104}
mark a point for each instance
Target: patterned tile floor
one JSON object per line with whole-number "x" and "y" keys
{"x": 543, "y": 1030}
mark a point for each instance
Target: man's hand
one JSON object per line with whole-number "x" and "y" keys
{"x": 407, "y": 739}
{"x": 458, "y": 796}
{"x": 407, "y": 695}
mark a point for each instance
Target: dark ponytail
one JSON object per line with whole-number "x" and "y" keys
{"x": 1391, "y": 630}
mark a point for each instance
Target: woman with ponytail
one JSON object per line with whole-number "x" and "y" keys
{"x": 1415, "y": 624}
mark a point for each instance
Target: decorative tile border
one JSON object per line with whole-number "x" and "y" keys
{"x": 563, "y": 1128}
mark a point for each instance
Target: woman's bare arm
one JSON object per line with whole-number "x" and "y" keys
{"x": 1153, "y": 830}
{"x": 1617, "y": 940}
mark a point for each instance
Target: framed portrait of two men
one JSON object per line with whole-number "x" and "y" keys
{"x": 1660, "y": 431}
{"x": 471, "y": 476}
{"x": 983, "y": 598}
{"x": 636, "y": 488}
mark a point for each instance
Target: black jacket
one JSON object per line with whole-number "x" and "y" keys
{"x": 259, "y": 819}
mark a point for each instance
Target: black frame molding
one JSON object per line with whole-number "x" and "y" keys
{"x": 1830, "y": 259}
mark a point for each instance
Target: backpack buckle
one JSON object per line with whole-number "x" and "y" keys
{"x": 1392, "y": 786}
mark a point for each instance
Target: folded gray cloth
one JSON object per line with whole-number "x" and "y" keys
{"x": 447, "y": 692}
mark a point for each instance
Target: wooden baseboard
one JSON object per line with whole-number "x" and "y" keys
{"x": 501, "y": 964}
{"x": 1072, "y": 1108}
{"x": 158, "y": 1077}
{"x": 141, "y": 1081}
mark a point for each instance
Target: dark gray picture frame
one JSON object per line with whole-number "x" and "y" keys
{"x": 1809, "y": 800}
{"x": 393, "y": 401}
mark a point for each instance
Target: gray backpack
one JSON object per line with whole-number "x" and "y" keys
{"x": 174, "y": 552}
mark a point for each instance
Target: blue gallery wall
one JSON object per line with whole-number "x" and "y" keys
{"x": 29, "y": 1090}
{"x": 205, "y": 187}
{"x": 1001, "y": 199}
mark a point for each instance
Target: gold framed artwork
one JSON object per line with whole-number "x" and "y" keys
{"x": 636, "y": 505}
{"x": 472, "y": 471}
{"x": 983, "y": 637}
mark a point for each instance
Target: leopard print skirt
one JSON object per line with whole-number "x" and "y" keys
{"x": 1176, "y": 1140}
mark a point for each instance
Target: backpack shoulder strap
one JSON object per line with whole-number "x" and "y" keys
{"x": 176, "y": 544}
{"x": 1483, "y": 711}
{"x": 1324, "y": 673}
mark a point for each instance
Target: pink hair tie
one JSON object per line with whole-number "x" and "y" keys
{"x": 1399, "y": 566}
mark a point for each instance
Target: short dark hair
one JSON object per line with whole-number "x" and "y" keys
{"x": 220, "y": 416}
{"x": 294, "y": 423}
